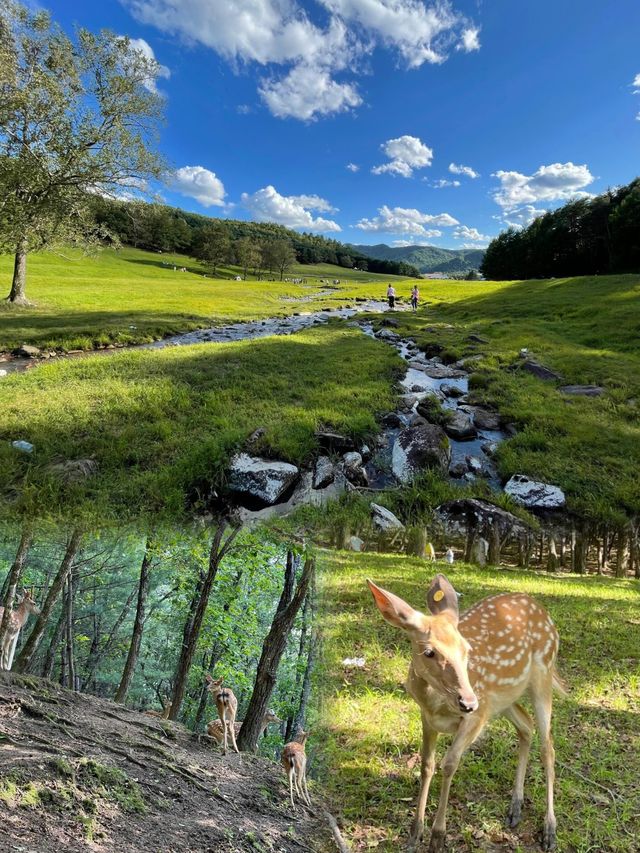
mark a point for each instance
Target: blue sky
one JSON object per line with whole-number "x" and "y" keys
{"x": 269, "y": 101}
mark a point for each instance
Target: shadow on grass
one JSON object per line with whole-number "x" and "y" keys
{"x": 158, "y": 422}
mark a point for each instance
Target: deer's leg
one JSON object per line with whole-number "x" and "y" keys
{"x": 303, "y": 783}
{"x": 225, "y": 732}
{"x": 542, "y": 698}
{"x": 524, "y": 726}
{"x": 12, "y": 650}
{"x": 468, "y": 730}
{"x": 233, "y": 737}
{"x": 291, "y": 775}
{"x": 427, "y": 769}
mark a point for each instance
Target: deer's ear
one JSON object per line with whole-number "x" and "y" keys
{"x": 442, "y": 598}
{"x": 395, "y": 609}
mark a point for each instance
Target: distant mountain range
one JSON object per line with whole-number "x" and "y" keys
{"x": 428, "y": 259}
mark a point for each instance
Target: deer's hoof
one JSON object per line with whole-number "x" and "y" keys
{"x": 549, "y": 841}
{"x": 515, "y": 813}
{"x": 437, "y": 841}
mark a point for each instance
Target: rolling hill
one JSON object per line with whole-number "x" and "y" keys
{"x": 427, "y": 258}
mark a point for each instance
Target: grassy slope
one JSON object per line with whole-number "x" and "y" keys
{"x": 585, "y": 328}
{"x": 162, "y": 424}
{"x": 371, "y": 729}
{"x": 128, "y": 297}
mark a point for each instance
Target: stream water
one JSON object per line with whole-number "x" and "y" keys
{"x": 416, "y": 384}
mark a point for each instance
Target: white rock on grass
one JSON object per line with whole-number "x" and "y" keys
{"x": 323, "y": 472}
{"x": 384, "y": 519}
{"x": 417, "y": 448}
{"x": 533, "y": 494}
{"x": 261, "y": 478}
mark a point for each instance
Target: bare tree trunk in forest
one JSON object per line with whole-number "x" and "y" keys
{"x": 18, "y": 295}
{"x": 621, "y": 554}
{"x": 298, "y": 722}
{"x": 13, "y": 579}
{"x": 25, "y": 658}
{"x": 199, "y": 603}
{"x": 63, "y": 662}
{"x": 272, "y": 651}
{"x": 495, "y": 545}
{"x": 50, "y": 657}
{"x": 99, "y": 653}
{"x": 561, "y": 553}
{"x": 303, "y": 650}
{"x": 580, "y": 549}
{"x": 214, "y": 657}
{"x": 69, "y": 630}
{"x": 138, "y": 626}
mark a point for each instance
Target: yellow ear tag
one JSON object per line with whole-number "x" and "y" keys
{"x": 438, "y": 596}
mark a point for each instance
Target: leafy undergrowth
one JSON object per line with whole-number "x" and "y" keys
{"x": 162, "y": 425}
{"x": 587, "y": 330}
{"x": 370, "y": 734}
{"x": 79, "y": 773}
{"x": 133, "y": 296}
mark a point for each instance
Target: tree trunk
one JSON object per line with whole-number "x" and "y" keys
{"x": 13, "y": 579}
{"x": 193, "y": 625}
{"x": 621, "y": 553}
{"x": 138, "y": 626}
{"x": 552, "y": 556}
{"x": 580, "y": 548}
{"x": 47, "y": 667}
{"x": 69, "y": 631}
{"x": 303, "y": 651}
{"x": 272, "y": 651}
{"x": 25, "y": 658}
{"x": 298, "y": 722}
{"x": 18, "y": 295}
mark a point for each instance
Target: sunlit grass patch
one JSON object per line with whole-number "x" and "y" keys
{"x": 371, "y": 731}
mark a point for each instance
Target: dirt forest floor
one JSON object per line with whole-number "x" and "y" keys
{"x": 78, "y": 773}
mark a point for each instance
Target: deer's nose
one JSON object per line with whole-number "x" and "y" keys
{"x": 468, "y": 703}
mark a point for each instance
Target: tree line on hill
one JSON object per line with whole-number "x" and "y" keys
{"x": 144, "y": 617}
{"x": 591, "y": 236}
{"x": 260, "y": 246}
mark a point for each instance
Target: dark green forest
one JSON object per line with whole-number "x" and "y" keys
{"x": 591, "y": 236}
{"x": 160, "y": 228}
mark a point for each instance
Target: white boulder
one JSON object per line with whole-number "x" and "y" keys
{"x": 533, "y": 494}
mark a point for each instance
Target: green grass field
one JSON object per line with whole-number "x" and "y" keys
{"x": 588, "y": 330}
{"x": 162, "y": 424}
{"x": 128, "y": 296}
{"x": 369, "y": 732}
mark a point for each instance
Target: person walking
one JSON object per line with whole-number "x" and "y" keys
{"x": 391, "y": 296}
{"x": 415, "y": 295}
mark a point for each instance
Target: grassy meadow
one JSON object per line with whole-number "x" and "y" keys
{"x": 162, "y": 424}
{"x": 128, "y": 296}
{"x": 369, "y": 732}
{"x": 587, "y": 330}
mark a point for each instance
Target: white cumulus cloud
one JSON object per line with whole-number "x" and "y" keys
{"x": 443, "y": 182}
{"x": 199, "y": 183}
{"x": 143, "y": 47}
{"x": 457, "y": 169}
{"x": 400, "y": 220}
{"x": 636, "y": 89}
{"x": 303, "y": 58}
{"x": 471, "y": 235}
{"x": 314, "y": 202}
{"x": 520, "y": 217}
{"x": 405, "y": 154}
{"x": 353, "y": 167}
{"x": 556, "y": 182}
{"x": 268, "y": 205}
{"x": 469, "y": 40}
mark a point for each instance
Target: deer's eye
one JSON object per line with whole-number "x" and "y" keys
{"x": 429, "y": 653}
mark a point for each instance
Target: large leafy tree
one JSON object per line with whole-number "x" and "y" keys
{"x": 77, "y": 116}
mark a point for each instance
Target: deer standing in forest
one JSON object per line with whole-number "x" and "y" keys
{"x": 17, "y": 621}
{"x": 215, "y": 728}
{"x": 467, "y": 669}
{"x": 227, "y": 705}
{"x": 294, "y": 761}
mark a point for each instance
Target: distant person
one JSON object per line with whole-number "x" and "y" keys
{"x": 415, "y": 295}
{"x": 391, "y": 296}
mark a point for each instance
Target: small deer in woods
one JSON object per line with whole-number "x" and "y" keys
{"x": 227, "y": 706}
{"x": 215, "y": 728}
{"x": 164, "y": 714}
{"x": 294, "y": 761}
{"x": 466, "y": 669}
{"x": 17, "y": 620}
